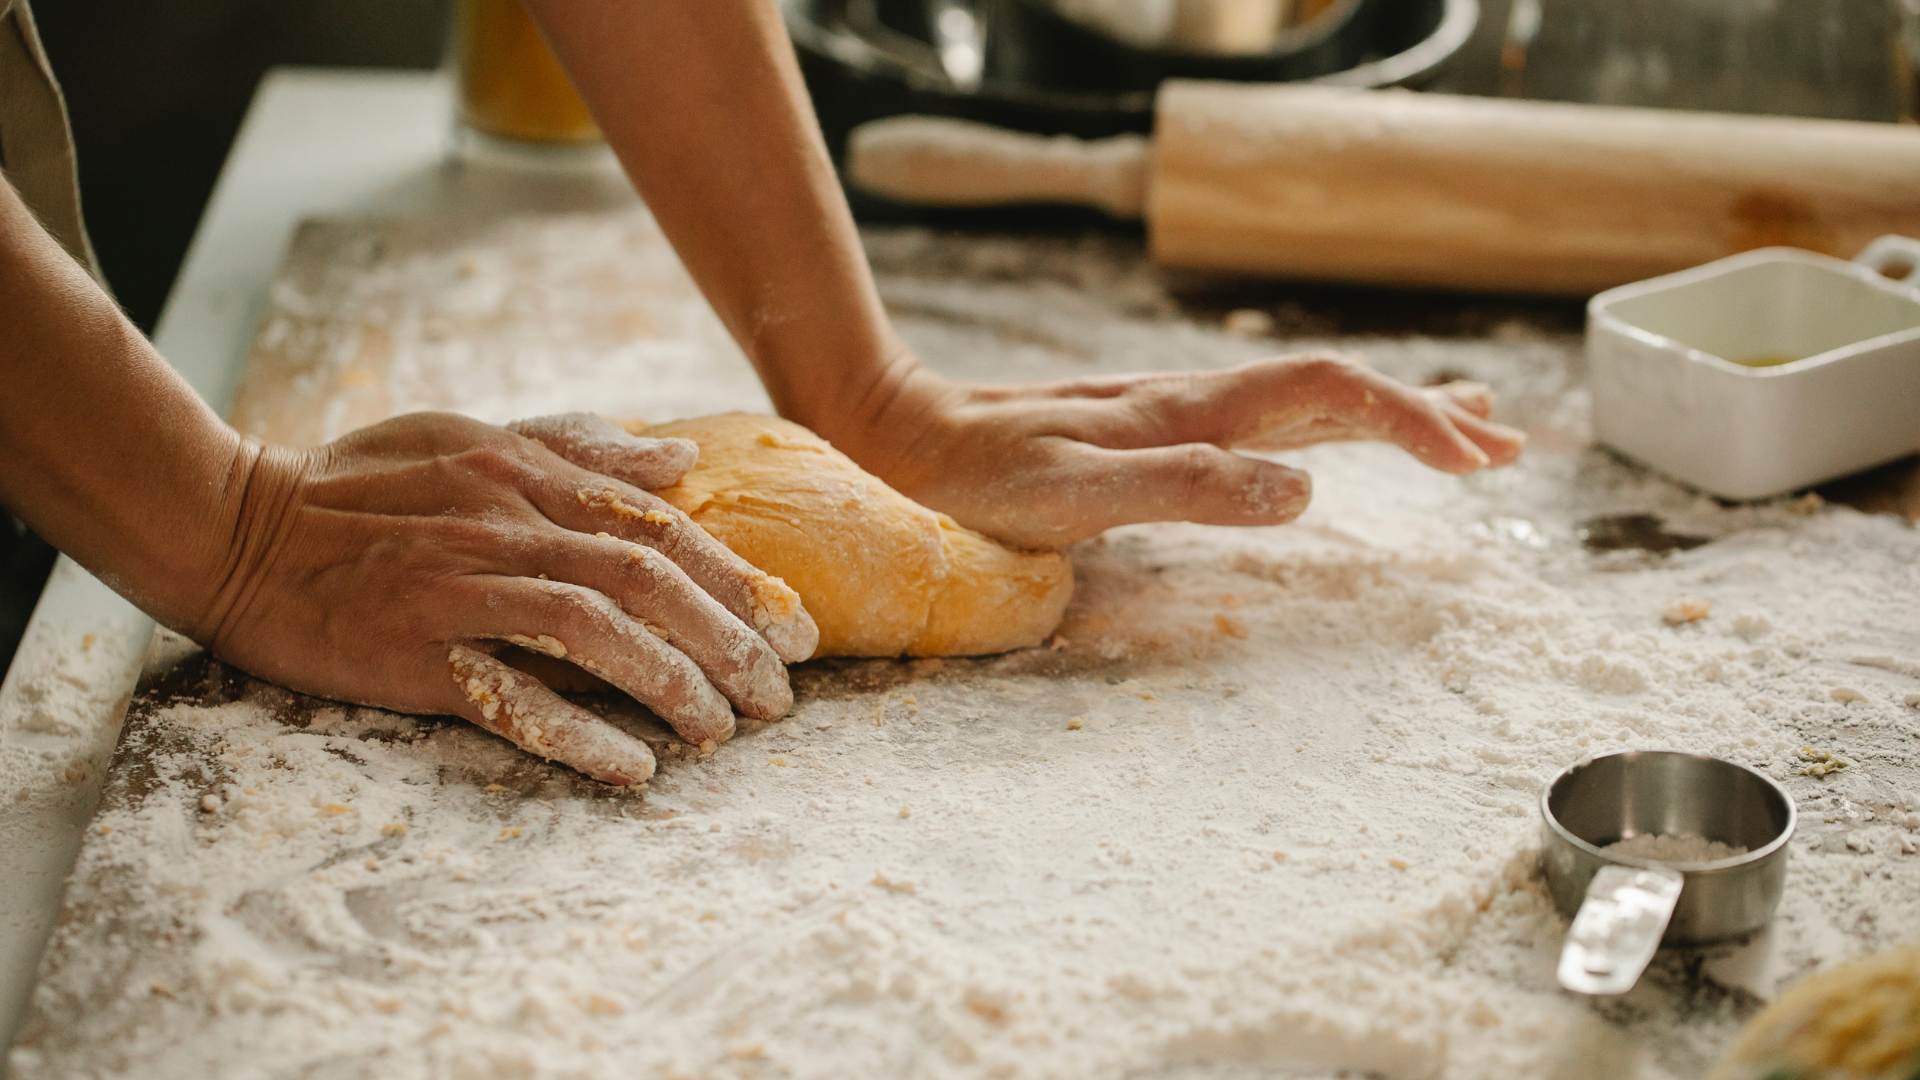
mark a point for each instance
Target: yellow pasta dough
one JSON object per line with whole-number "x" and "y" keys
{"x": 880, "y": 574}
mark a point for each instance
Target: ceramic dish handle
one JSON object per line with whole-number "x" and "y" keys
{"x": 1618, "y": 928}
{"x": 1895, "y": 257}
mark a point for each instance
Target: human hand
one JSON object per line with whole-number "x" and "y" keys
{"x": 385, "y": 568}
{"x": 1047, "y": 465}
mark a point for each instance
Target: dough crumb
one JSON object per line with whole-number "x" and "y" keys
{"x": 210, "y": 804}
{"x": 1398, "y": 863}
{"x": 511, "y": 832}
{"x": 1690, "y": 610}
{"x": 1846, "y": 695}
{"x": 1913, "y": 701}
{"x": 989, "y": 1007}
{"x": 903, "y": 888}
{"x": 906, "y": 811}
{"x": 602, "y": 1005}
{"x": 1810, "y": 503}
{"x": 334, "y": 809}
{"x": 1076, "y": 723}
{"x": 394, "y": 828}
{"x": 1824, "y": 762}
{"x": 1248, "y": 322}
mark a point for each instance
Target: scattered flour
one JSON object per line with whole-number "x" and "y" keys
{"x": 1267, "y": 804}
{"x": 1674, "y": 847}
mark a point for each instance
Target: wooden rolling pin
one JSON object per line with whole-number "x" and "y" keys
{"x": 1394, "y": 187}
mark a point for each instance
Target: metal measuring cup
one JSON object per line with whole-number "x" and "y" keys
{"x": 1625, "y": 908}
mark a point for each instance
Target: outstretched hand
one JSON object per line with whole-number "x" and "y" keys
{"x": 387, "y": 567}
{"x": 1047, "y": 465}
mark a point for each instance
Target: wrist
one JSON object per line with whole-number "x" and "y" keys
{"x": 263, "y": 489}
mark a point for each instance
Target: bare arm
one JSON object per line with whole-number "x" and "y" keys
{"x": 107, "y": 452}
{"x": 704, "y": 105}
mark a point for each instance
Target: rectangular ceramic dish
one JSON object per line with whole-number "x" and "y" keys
{"x": 1762, "y": 373}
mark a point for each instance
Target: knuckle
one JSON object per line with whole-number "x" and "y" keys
{"x": 1329, "y": 367}
{"x": 504, "y": 463}
{"x": 1193, "y": 469}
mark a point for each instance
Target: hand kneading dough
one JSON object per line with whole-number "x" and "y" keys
{"x": 880, "y": 574}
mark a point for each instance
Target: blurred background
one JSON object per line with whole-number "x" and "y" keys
{"x": 157, "y": 99}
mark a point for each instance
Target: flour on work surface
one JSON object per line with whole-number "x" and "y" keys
{"x": 1268, "y": 801}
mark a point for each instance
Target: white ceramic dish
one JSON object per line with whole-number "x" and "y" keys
{"x": 1669, "y": 390}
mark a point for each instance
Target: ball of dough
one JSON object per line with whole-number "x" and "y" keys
{"x": 880, "y": 574}
{"x": 1858, "y": 1021}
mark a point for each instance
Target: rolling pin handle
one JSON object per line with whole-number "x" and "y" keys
{"x": 941, "y": 161}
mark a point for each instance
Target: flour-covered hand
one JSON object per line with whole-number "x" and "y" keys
{"x": 1050, "y": 464}
{"x": 388, "y": 567}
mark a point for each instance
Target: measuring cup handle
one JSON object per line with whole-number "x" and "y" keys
{"x": 1893, "y": 256}
{"x": 1618, "y": 928}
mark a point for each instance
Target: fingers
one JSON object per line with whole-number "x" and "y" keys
{"x": 647, "y": 584}
{"x": 517, "y": 708}
{"x": 1474, "y": 397}
{"x": 1192, "y": 482}
{"x": 1298, "y": 401}
{"x": 587, "y": 629}
{"x": 1500, "y": 443}
{"x": 599, "y": 445}
{"x": 1409, "y": 419}
{"x": 757, "y": 598}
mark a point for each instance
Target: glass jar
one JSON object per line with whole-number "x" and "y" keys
{"x": 510, "y": 84}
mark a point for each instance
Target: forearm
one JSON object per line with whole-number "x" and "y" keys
{"x": 104, "y": 450}
{"x": 703, "y": 103}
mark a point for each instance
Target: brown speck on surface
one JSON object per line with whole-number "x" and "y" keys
{"x": 511, "y": 832}
{"x": 1688, "y": 610}
{"x": 601, "y": 1005}
{"x": 334, "y": 809}
{"x": 1810, "y": 503}
{"x": 989, "y": 1007}
{"x": 1076, "y": 723}
{"x": 394, "y": 828}
{"x": 1846, "y": 695}
{"x": 903, "y": 888}
{"x": 1230, "y": 627}
{"x": 1397, "y": 863}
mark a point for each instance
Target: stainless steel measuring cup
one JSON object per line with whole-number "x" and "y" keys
{"x": 1624, "y": 908}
